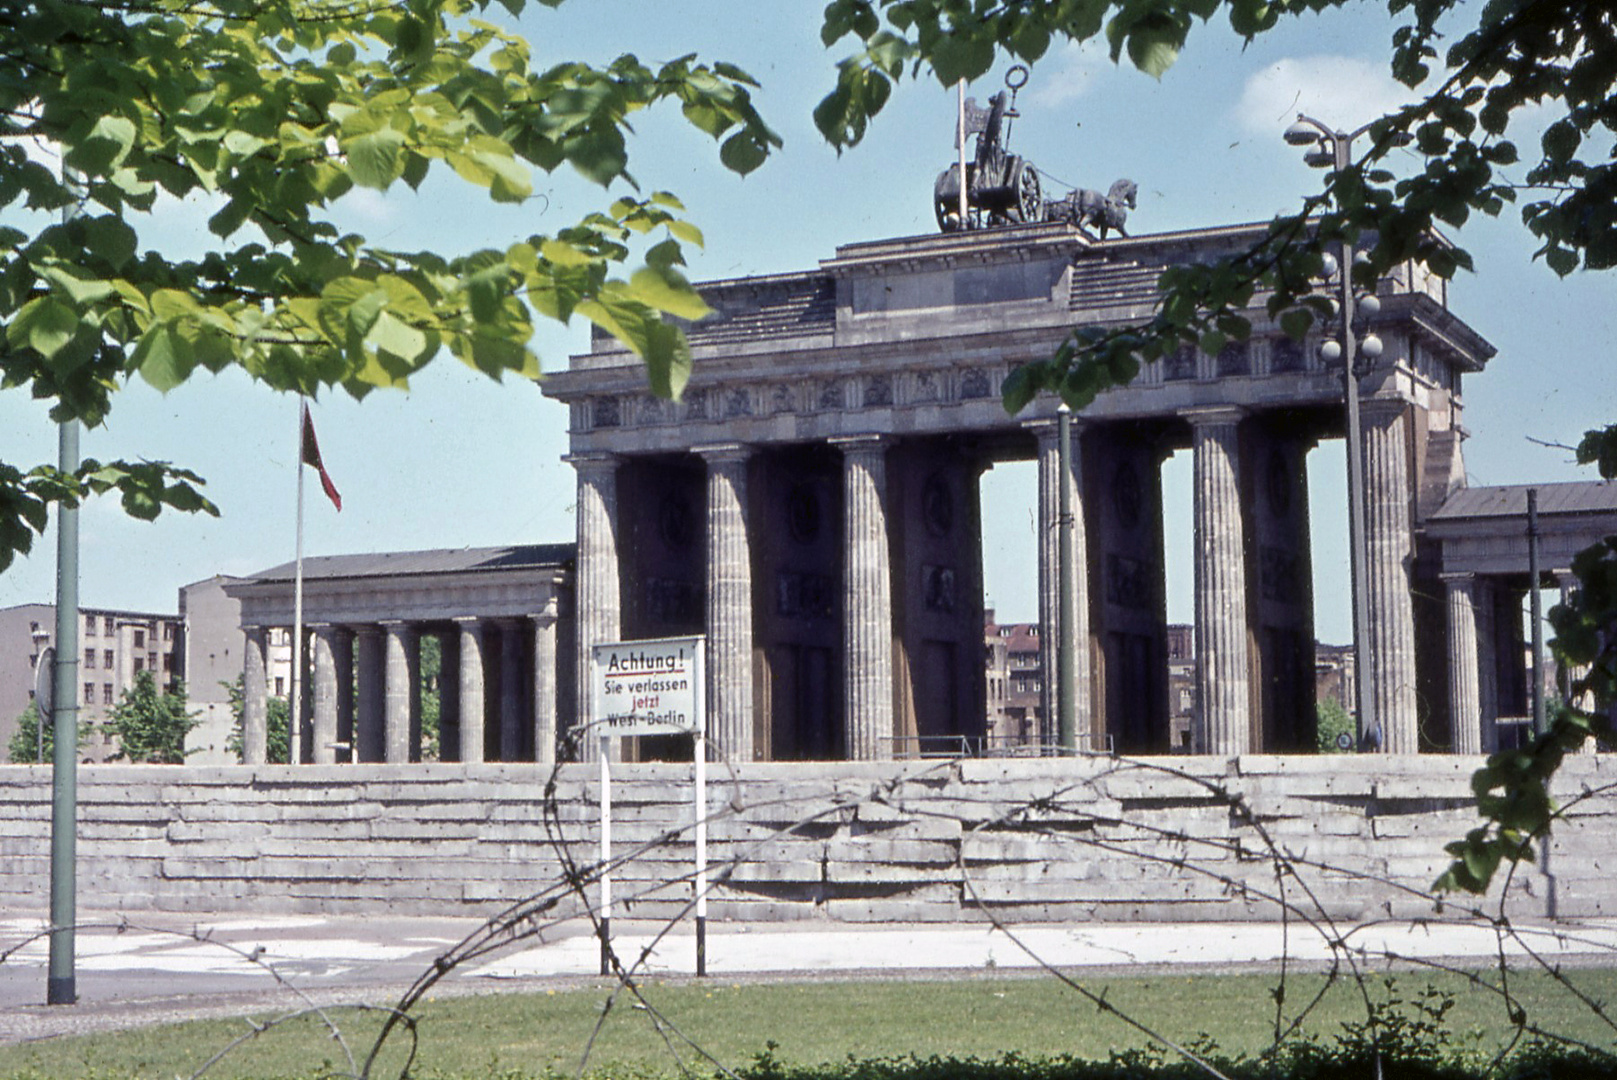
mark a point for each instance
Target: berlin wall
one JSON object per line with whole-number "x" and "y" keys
{"x": 1354, "y": 837}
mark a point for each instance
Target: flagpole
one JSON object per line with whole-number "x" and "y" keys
{"x": 294, "y": 718}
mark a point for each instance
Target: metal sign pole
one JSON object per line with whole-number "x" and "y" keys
{"x": 701, "y": 852}
{"x": 606, "y": 855}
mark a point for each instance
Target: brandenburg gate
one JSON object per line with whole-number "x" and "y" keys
{"x": 812, "y": 506}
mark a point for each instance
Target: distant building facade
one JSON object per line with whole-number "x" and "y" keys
{"x": 114, "y": 647}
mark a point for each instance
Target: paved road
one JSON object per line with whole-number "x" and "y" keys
{"x": 164, "y": 966}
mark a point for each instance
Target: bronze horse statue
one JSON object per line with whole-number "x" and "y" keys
{"x": 1104, "y": 212}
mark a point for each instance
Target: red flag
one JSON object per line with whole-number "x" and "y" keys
{"x": 311, "y": 456}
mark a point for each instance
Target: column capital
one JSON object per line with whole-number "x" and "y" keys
{"x": 549, "y": 611}
{"x": 1049, "y": 427}
{"x": 593, "y": 461}
{"x": 1382, "y": 409}
{"x": 723, "y": 452}
{"x": 1199, "y": 415}
{"x": 1456, "y": 578}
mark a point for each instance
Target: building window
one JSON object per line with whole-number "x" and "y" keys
{"x": 106, "y": 659}
{"x": 106, "y": 693}
{"x": 140, "y": 639}
{"x": 140, "y": 663}
{"x": 89, "y": 658}
{"x": 168, "y": 631}
{"x": 280, "y": 686}
{"x": 89, "y": 693}
{"x": 108, "y": 626}
{"x": 89, "y": 626}
{"x": 168, "y": 661}
{"x": 151, "y": 661}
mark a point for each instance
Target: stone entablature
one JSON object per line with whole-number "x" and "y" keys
{"x": 917, "y": 335}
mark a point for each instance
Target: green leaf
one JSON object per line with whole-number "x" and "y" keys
{"x": 164, "y": 358}
{"x": 667, "y": 290}
{"x": 375, "y": 159}
{"x": 1296, "y": 323}
{"x": 743, "y": 152}
{"x": 44, "y": 324}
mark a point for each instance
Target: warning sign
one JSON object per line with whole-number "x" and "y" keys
{"x": 650, "y": 687}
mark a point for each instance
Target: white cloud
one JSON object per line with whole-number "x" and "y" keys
{"x": 1068, "y": 73}
{"x": 1337, "y": 90}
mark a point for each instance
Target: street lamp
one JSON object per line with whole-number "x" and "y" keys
{"x": 1332, "y": 149}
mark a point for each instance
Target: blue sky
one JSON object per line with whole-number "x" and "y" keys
{"x": 460, "y": 460}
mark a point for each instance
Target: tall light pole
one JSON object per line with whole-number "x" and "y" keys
{"x": 1333, "y": 150}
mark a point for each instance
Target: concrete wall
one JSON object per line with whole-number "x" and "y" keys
{"x": 1030, "y": 840}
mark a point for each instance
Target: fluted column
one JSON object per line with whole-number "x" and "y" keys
{"x": 254, "y": 698}
{"x": 324, "y": 693}
{"x": 729, "y": 603}
{"x": 1389, "y": 536}
{"x": 471, "y": 690}
{"x": 1048, "y": 435}
{"x": 1465, "y": 709}
{"x": 599, "y": 602}
{"x": 399, "y": 639}
{"x": 511, "y": 635}
{"x": 544, "y": 683}
{"x": 867, "y": 606}
{"x": 1223, "y": 677}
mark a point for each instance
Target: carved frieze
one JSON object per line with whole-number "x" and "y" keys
{"x": 974, "y": 385}
{"x": 1234, "y": 359}
{"x": 878, "y": 391}
{"x": 607, "y": 413}
{"x": 830, "y": 395}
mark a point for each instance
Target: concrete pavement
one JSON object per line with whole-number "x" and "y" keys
{"x": 164, "y": 966}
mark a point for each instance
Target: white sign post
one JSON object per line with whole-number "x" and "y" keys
{"x": 652, "y": 687}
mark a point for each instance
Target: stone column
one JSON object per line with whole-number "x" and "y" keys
{"x": 729, "y": 604}
{"x": 511, "y": 636}
{"x": 1223, "y": 673}
{"x": 254, "y": 697}
{"x": 471, "y": 689}
{"x": 544, "y": 683}
{"x": 867, "y": 606}
{"x": 400, "y": 640}
{"x": 324, "y": 693}
{"x": 342, "y": 656}
{"x": 1048, "y": 435}
{"x": 370, "y": 740}
{"x": 1390, "y": 538}
{"x": 1465, "y": 708}
{"x": 599, "y": 601}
